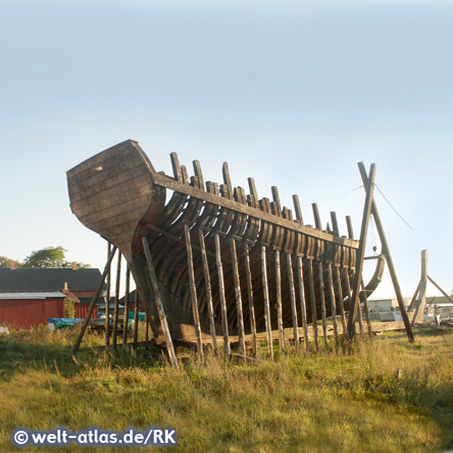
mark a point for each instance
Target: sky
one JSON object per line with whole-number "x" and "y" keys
{"x": 291, "y": 93}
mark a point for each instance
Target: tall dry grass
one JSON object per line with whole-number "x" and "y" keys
{"x": 388, "y": 395}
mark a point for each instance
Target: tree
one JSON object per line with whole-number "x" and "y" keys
{"x": 50, "y": 257}
{"x": 6, "y": 262}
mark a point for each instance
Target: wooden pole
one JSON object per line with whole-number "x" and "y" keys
{"x": 367, "y": 312}
{"x": 223, "y": 307}
{"x": 333, "y": 305}
{"x": 160, "y": 304}
{"x": 278, "y": 290}
{"x": 126, "y": 306}
{"x": 107, "y": 303}
{"x": 93, "y": 301}
{"x": 336, "y": 275}
{"x": 421, "y": 300}
{"x": 300, "y": 277}
{"x": 292, "y": 292}
{"x": 238, "y": 296}
{"x": 136, "y": 308}
{"x": 115, "y": 309}
{"x": 250, "y": 297}
{"x": 207, "y": 280}
{"x": 348, "y": 290}
{"x": 440, "y": 289}
{"x": 267, "y": 308}
{"x": 193, "y": 290}
{"x": 314, "y": 318}
{"x": 369, "y": 188}
{"x": 386, "y": 252}
{"x": 323, "y": 304}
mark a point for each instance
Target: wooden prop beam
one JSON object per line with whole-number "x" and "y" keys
{"x": 369, "y": 188}
{"x": 303, "y": 308}
{"x": 207, "y": 281}
{"x": 116, "y": 303}
{"x": 160, "y": 304}
{"x": 278, "y": 293}
{"x": 267, "y": 308}
{"x": 421, "y": 299}
{"x": 238, "y": 296}
{"x": 388, "y": 256}
{"x": 292, "y": 292}
{"x": 223, "y": 306}
{"x": 94, "y": 300}
{"x": 126, "y": 306}
{"x": 248, "y": 275}
{"x": 193, "y": 290}
{"x": 323, "y": 304}
{"x": 440, "y": 289}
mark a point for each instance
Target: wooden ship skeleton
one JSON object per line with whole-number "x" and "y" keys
{"x": 214, "y": 262}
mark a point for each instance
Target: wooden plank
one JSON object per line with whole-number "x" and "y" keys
{"x": 169, "y": 183}
{"x": 300, "y": 276}
{"x": 223, "y": 306}
{"x": 267, "y": 308}
{"x": 250, "y": 297}
{"x": 238, "y": 295}
{"x": 292, "y": 292}
{"x": 207, "y": 280}
{"x": 278, "y": 293}
{"x": 94, "y": 300}
{"x": 160, "y": 304}
{"x": 193, "y": 290}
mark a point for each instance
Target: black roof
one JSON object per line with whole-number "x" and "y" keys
{"x": 48, "y": 279}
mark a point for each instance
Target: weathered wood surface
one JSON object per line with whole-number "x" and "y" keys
{"x": 119, "y": 194}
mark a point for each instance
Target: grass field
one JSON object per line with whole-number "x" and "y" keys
{"x": 388, "y": 396}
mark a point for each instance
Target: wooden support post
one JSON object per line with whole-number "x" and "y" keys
{"x": 160, "y": 304}
{"x": 136, "y": 309}
{"x": 414, "y": 298}
{"x": 292, "y": 293}
{"x": 440, "y": 289}
{"x": 421, "y": 299}
{"x": 314, "y": 318}
{"x": 359, "y": 307}
{"x": 107, "y": 302}
{"x": 267, "y": 308}
{"x": 238, "y": 296}
{"x": 367, "y": 312}
{"x": 126, "y": 306}
{"x": 117, "y": 297}
{"x": 207, "y": 280}
{"x": 333, "y": 304}
{"x": 316, "y": 216}
{"x": 193, "y": 290}
{"x": 223, "y": 307}
{"x": 278, "y": 290}
{"x": 248, "y": 275}
{"x": 336, "y": 275}
{"x": 323, "y": 304}
{"x": 386, "y": 252}
{"x": 303, "y": 310}
{"x": 94, "y": 300}
{"x": 146, "y": 325}
{"x": 369, "y": 188}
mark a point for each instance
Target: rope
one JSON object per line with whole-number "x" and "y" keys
{"x": 335, "y": 196}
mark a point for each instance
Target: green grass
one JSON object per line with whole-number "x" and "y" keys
{"x": 388, "y": 395}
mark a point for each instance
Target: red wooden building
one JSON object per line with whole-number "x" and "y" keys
{"x": 29, "y": 296}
